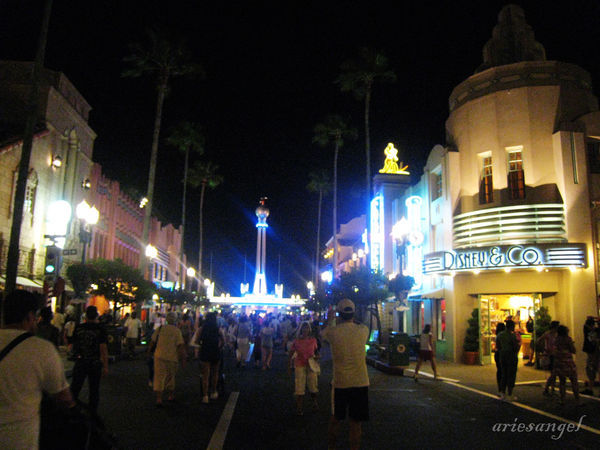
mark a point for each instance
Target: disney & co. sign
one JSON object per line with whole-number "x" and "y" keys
{"x": 506, "y": 256}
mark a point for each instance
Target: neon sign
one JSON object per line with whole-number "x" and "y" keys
{"x": 507, "y": 256}
{"x": 377, "y": 233}
{"x": 415, "y": 240}
{"x": 391, "y": 162}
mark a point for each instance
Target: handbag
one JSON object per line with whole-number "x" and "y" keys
{"x": 313, "y": 365}
{"x": 154, "y": 343}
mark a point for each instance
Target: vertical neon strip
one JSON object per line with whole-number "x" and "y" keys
{"x": 415, "y": 248}
{"x": 377, "y": 233}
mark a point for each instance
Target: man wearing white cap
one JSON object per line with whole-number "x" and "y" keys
{"x": 350, "y": 386}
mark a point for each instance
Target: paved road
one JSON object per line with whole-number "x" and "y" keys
{"x": 404, "y": 414}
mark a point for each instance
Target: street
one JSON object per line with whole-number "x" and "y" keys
{"x": 404, "y": 414}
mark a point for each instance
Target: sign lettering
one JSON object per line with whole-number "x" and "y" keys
{"x": 506, "y": 256}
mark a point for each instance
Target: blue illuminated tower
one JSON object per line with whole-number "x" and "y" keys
{"x": 260, "y": 279}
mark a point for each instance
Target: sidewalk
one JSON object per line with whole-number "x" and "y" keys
{"x": 475, "y": 376}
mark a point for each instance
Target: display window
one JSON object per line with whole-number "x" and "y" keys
{"x": 499, "y": 308}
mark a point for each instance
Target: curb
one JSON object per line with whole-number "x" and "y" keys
{"x": 385, "y": 367}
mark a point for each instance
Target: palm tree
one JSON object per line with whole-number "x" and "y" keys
{"x": 358, "y": 76}
{"x": 203, "y": 175}
{"x": 335, "y": 130}
{"x": 162, "y": 59}
{"x": 319, "y": 182}
{"x": 186, "y": 137}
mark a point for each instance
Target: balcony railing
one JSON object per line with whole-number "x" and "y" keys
{"x": 541, "y": 223}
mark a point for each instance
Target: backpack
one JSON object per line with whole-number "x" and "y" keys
{"x": 86, "y": 342}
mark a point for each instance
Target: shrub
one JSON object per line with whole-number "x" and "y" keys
{"x": 472, "y": 338}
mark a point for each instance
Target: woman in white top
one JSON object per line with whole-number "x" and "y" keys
{"x": 426, "y": 352}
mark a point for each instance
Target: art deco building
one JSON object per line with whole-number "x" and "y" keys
{"x": 505, "y": 205}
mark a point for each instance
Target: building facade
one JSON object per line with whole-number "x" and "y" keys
{"x": 507, "y": 206}
{"x": 62, "y": 169}
{"x": 61, "y": 159}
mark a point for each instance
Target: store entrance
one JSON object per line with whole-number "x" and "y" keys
{"x": 496, "y": 308}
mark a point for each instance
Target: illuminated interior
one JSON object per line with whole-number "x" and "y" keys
{"x": 498, "y": 308}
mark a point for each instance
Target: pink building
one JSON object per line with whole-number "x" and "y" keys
{"x": 119, "y": 230}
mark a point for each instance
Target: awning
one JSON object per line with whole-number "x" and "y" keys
{"x": 25, "y": 282}
{"x": 433, "y": 294}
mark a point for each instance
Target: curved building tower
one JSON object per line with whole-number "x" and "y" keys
{"x": 519, "y": 128}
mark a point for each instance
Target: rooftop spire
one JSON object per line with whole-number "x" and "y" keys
{"x": 513, "y": 40}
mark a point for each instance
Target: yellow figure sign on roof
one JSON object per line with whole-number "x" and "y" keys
{"x": 391, "y": 162}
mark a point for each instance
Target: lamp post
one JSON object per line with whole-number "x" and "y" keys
{"x": 88, "y": 217}
{"x": 151, "y": 253}
{"x": 191, "y": 273}
{"x": 400, "y": 231}
{"x": 311, "y": 288}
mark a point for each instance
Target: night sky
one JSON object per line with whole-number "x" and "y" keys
{"x": 270, "y": 70}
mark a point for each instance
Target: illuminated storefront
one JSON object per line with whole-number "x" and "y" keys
{"x": 505, "y": 212}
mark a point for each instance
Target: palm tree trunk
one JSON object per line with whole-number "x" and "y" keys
{"x": 317, "y": 258}
{"x": 368, "y": 170}
{"x": 183, "y": 274}
{"x": 335, "y": 246}
{"x": 12, "y": 263}
{"x": 152, "y": 171}
{"x": 201, "y": 226}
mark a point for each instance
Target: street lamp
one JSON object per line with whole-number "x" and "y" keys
{"x": 311, "y": 288}
{"x": 400, "y": 232}
{"x": 88, "y": 217}
{"x": 191, "y": 273}
{"x": 151, "y": 253}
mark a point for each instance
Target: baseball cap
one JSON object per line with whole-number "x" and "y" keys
{"x": 345, "y": 306}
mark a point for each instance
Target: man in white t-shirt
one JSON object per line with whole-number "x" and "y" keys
{"x": 350, "y": 386}
{"x": 134, "y": 329}
{"x": 31, "y": 367}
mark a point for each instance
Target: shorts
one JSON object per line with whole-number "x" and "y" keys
{"x": 354, "y": 400}
{"x": 425, "y": 355}
{"x": 302, "y": 376}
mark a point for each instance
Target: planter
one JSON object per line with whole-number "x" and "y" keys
{"x": 471, "y": 358}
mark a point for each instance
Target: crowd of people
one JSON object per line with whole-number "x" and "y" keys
{"x": 556, "y": 351}
{"x": 177, "y": 338}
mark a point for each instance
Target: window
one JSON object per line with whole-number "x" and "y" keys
{"x": 441, "y": 319}
{"x": 486, "y": 185}
{"x": 516, "y": 177}
{"x": 436, "y": 185}
{"x": 593, "y": 154}
{"x": 30, "y": 193}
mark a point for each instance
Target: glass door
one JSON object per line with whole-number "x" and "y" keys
{"x": 485, "y": 335}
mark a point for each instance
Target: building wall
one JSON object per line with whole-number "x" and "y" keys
{"x": 119, "y": 232}
{"x": 63, "y": 131}
{"x": 541, "y": 119}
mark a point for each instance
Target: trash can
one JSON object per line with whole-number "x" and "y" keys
{"x": 399, "y": 349}
{"x": 114, "y": 338}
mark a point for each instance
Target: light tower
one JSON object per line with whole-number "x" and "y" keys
{"x": 260, "y": 280}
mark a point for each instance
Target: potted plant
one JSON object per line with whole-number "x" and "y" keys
{"x": 542, "y": 324}
{"x": 471, "y": 345}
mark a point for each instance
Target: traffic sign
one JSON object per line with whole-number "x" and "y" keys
{"x": 69, "y": 251}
